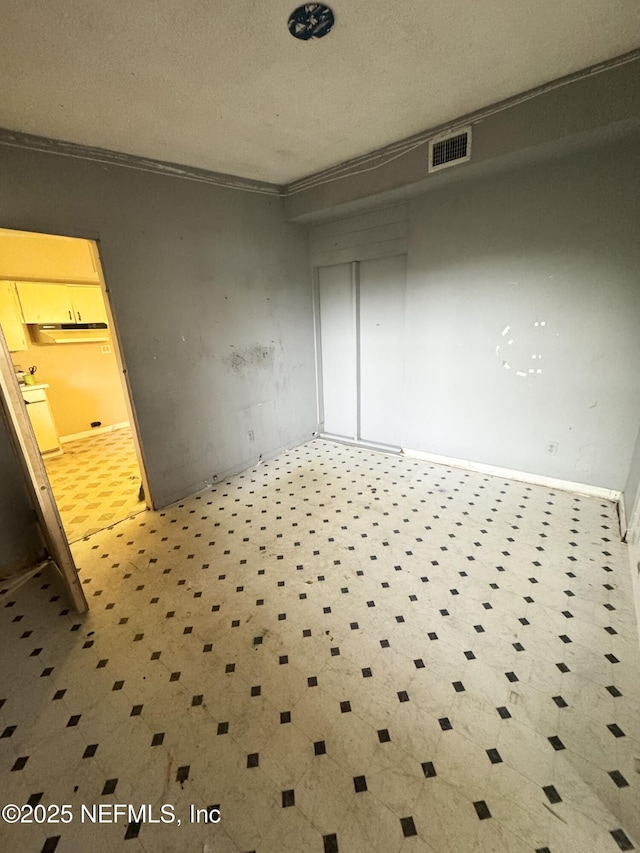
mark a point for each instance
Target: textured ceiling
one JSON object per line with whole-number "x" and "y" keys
{"x": 222, "y": 85}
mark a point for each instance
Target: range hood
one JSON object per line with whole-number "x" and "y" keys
{"x": 69, "y": 333}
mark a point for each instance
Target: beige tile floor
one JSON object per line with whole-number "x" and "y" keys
{"x": 345, "y": 652}
{"x": 96, "y": 482}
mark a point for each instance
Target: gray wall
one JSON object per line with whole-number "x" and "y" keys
{"x": 554, "y": 241}
{"x": 557, "y": 242}
{"x": 20, "y": 543}
{"x": 211, "y": 293}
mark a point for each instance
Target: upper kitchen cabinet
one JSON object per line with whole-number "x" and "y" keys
{"x": 25, "y": 256}
{"x": 56, "y": 303}
{"x": 45, "y": 303}
{"x": 88, "y": 304}
{"x": 10, "y": 317}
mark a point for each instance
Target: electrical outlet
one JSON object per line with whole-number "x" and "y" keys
{"x": 552, "y": 448}
{"x": 250, "y": 435}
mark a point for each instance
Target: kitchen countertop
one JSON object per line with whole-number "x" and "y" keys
{"x": 38, "y": 387}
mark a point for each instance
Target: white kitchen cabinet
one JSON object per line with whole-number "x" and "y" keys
{"x": 61, "y": 303}
{"x": 11, "y": 317}
{"x": 88, "y": 304}
{"x": 45, "y": 303}
{"x": 41, "y": 418}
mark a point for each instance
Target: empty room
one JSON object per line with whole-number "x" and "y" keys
{"x": 320, "y": 427}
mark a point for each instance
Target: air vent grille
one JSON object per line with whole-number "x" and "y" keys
{"x": 450, "y": 150}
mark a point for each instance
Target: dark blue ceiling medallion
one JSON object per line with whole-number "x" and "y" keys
{"x": 313, "y": 20}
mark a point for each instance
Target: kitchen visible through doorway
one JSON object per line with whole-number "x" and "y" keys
{"x": 55, "y": 316}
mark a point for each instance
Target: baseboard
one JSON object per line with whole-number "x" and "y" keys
{"x": 111, "y": 428}
{"x": 521, "y": 476}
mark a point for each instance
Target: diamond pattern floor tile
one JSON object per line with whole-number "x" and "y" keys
{"x": 344, "y": 651}
{"x": 96, "y": 482}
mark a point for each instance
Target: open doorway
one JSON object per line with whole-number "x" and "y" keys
{"x": 58, "y": 324}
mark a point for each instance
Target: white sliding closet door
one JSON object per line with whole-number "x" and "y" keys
{"x": 382, "y": 308}
{"x": 338, "y": 349}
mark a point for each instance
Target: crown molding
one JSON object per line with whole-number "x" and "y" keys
{"x": 17, "y": 139}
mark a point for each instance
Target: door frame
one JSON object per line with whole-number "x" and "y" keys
{"x": 123, "y": 372}
{"x": 26, "y": 446}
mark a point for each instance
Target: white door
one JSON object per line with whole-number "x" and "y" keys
{"x": 362, "y": 316}
{"x": 382, "y": 307}
{"x": 338, "y": 350}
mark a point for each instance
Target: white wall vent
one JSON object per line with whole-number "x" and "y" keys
{"x": 445, "y": 151}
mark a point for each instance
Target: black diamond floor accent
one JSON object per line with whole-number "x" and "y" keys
{"x": 618, "y": 778}
{"x": 622, "y": 839}
{"x": 408, "y": 827}
{"x": 133, "y": 830}
{"x": 360, "y": 784}
{"x": 109, "y": 787}
{"x": 482, "y": 810}
{"x": 330, "y": 843}
{"x": 552, "y": 795}
{"x": 288, "y": 799}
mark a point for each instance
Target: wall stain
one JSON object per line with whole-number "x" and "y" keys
{"x": 252, "y": 356}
